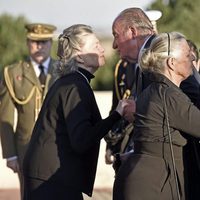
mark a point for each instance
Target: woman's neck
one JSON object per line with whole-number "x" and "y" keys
{"x": 89, "y": 69}
{"x": 174, "y": 78}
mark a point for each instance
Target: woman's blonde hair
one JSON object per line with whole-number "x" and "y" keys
{"x": 163, "y": 46}
{"x": 69, "y": 43}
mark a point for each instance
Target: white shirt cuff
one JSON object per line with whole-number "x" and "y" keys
{"x": 11, "y": 158}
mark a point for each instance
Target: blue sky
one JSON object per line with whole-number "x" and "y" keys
{"x": 63, "y": 13}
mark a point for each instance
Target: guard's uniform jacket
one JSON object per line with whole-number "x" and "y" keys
{"x": 20, "y": 93}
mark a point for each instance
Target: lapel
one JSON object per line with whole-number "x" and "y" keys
{"x": 29, "y": 74}
{"x": 196, "y": 75}
{"x": 49, "y": 78}
{"x": 149, "y": 41}
{"x": 141, "y": 83}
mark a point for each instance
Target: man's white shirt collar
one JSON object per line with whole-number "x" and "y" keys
{"x": 36, "y": 66}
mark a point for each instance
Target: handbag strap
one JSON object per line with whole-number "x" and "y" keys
{"x": 170, "y": 144}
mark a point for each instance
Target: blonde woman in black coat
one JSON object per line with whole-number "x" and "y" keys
{"x": 155, "y": 170}
{"x": 62, "y": 156}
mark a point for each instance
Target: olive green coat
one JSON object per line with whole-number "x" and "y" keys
{"x": 20, "y": 94}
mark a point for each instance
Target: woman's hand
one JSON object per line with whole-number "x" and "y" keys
{"x": 126, "y": 108}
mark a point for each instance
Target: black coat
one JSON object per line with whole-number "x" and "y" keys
{"x": 66, "y": 137}
{"x": 191, "y": 151}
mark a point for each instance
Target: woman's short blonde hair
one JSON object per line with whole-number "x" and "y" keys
{"x": 163, "y": 46}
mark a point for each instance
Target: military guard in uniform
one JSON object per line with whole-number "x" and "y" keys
{"x": 22, "y": 91}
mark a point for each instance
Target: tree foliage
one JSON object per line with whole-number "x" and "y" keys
{"x": 179, "y": 15}
{"x": 13, "y": 40}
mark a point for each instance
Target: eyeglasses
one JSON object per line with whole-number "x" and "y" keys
{"x": 168, "y": 50}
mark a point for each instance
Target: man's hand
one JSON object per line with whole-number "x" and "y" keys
{"x": 13, "y": 164}
{"x": 129, "y": 110}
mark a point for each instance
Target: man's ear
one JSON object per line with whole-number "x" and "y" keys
{"x": 134, "y": 31}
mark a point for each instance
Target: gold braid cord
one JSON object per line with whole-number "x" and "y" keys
{"x": 116, "y": 74}
{"x": 35, "y": 90}
{"x": 127, "y": 93}
{"x": 129, "y": 128}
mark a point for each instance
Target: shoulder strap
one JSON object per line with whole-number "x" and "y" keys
{"x": 170, "y": 144}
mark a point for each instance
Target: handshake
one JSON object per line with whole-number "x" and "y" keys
{"x": 126, "y": 108}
